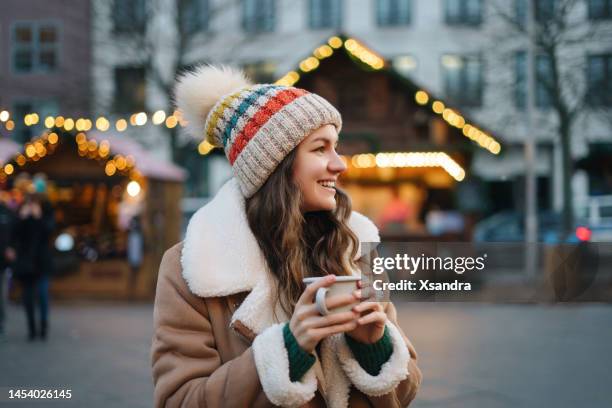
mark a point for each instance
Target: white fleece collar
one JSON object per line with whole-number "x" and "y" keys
{"x": 221, "y": 256}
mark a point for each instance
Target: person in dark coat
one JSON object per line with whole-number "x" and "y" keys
{"x": 6, "y": 253}
{"x": 33, "y": 264}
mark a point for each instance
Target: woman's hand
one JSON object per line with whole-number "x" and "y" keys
{"x": 309, "y": 327}
{"x": 371, "y": 325}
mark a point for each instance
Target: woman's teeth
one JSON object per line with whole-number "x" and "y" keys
{"x": 329, "y": 184}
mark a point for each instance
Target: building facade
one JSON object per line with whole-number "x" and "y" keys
{"x": 460, "y": 50}
{"x": 45, "y": 51}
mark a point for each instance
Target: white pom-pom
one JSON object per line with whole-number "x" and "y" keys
{"x": 197, "y": 91}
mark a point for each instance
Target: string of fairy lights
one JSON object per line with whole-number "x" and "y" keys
{"x": 101, "y": 123}
{"x": 45, "y": 144}
{"x": 407, "y": 159}
{"x": 87, "y": 147}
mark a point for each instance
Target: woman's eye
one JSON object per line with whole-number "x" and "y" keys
{"x": 320, "y": 149}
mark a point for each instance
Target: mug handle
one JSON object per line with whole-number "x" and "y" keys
{"x": 320, "y": 301}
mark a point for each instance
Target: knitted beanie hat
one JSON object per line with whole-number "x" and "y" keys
{"x": 256, "y": 124}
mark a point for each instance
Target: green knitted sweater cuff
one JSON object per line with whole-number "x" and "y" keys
{"x": 371, "y": 357}
{"x": 300, "y": 360}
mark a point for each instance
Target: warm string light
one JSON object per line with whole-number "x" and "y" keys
{"x": 91, "y": 149}
{"x": 364, "y": 54}
{"x": 87, "y": 147}
{"x": 204, "y": 148}
{"x": 311, "y": 63}
{"x": 33, "y": 150}
{"x": 159, "y": 118}
{"x": 455, "y": 119}
{"x": 408, "y": 159}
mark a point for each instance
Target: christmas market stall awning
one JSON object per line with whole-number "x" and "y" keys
{"x": 8, "y": 150}
{"x": 118, "y": 154}
{"x": 147, "y": 164}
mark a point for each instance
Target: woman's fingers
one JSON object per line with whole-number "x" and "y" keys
{"x": 331, "y": 319}
{"x": 374, "y": 317}
{"x": 335, "y": 301}
{"x": 324, "y": 332}
{"x": 308, "y": 295}
{"x": 365, "y": 306}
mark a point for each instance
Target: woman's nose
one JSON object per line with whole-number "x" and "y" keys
{"x": 337, "y": 164}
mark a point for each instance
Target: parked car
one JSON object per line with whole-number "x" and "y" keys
{"x": 509, "y": 226}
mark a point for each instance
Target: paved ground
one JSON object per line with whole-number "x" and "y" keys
{"x": 472, "y": 355}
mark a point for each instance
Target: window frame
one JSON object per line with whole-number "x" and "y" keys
{"x": 129, "y": 28}
{"x": 463, "y": 18}
{"x": 606, "y": 96}
{"x": 539, "y": 10}
{"x": 464, "y": 80}
{"x": 339, "y": 4}
{"x": 116, "y": 97}
{"x": 520, "y": 80}
{"x": 383, "y": 20}
{"x": 258, "y": 27}
{"x": 35, "y": 49}
{"x": 520, "y": 87}
{"x": 540, "y": 86}
{"x": 201, "y": 24}
{"x": 607, "y": 15}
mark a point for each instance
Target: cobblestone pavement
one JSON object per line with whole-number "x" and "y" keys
{"x": 472, "y": 355}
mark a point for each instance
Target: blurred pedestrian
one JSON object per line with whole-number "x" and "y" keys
{"x": 396, "y": 213}
{"x": 7, "y": 255}
{"x": 31, "y": 241}
{"x": 135, "y": 249}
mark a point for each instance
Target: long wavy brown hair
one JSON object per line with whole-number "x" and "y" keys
{"x": 295, "y": 244}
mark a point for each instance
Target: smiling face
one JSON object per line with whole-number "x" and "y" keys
{"x": 316, "y": 169}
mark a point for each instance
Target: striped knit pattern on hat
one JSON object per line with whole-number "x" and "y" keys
{"x": 259, "y": 125}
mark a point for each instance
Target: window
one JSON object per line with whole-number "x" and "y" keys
{"x": 543, "y": 75}
{"x": 129, "y": 16}
{"x": 22, "y": 133}
{"x": 35, "y": 47}
{"x": 542, "y": 79}
{"x": 463, "y": 79}
{"x": 404, "y": 64}
{"x": 325, "y": 13}
{"x": 194, "y": 15}
{"x": 258, "y": 15}
{"x": 463, "y": 12}
{"x": 520, "y": 12}
{"x": 520, "y": 79}
{"x": 599, "y": 79}
{"x": 600, "y": 9}
{"x": 544, "y": 10}
{"x": 129, "y": 89}
{"x": 261, "y": 71}
{"x": 393, "y": 12}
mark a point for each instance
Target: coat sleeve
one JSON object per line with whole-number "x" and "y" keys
{"x": 400, "y": 377}
{"x": 187, "y": 368}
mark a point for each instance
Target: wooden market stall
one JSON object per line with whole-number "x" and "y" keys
{"x": 408, "y": 153}
{"x": 97, "y": 183}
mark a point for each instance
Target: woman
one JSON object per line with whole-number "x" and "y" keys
{"x": 31, "y": 239}
{"x": 234, "y": 325}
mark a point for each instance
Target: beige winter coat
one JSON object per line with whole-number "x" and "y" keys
{"x": 216, "y": 342}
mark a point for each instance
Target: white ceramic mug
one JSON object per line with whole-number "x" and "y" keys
{"x": 344, "y": 285}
